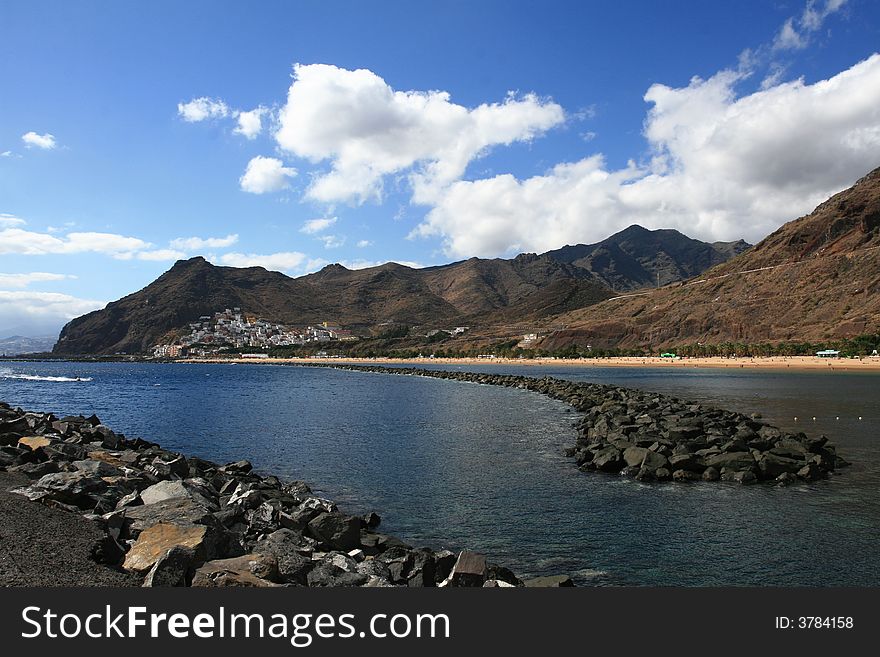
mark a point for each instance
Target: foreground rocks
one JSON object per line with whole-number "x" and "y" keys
{"x": 652, "y": 437}
{"x": 169, "y": 520}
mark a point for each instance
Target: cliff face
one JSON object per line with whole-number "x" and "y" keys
{"x": 482, "y": 291}
{"x": 816, "y": 278}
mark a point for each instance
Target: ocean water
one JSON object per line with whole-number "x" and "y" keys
{"x": 457, "y": 465}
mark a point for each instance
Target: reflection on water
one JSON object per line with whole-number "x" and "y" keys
{"x": 459, "y": 465}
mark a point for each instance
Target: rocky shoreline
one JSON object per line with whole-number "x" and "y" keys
{"x": 170, "y": 520}
{"x": 654, "y": 437}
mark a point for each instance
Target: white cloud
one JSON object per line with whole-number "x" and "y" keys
{"x": 201, "y": 109}
{"x": 796, "y": 32}
{"x": 332, "y": 241}
{"x": 250, "y": 124}
{"x": 284, "y": 261}
{"x": 313, "y": 226}
{"x": 18, "y": 281}
{"x": 266, "y": 174}
{"x": 42, "y": 311}
{"x": 367, "y": 130}
{"x": 11, "y": 220}
{"x": 197, "y": 243}
{"x": 7, "y": 154}
{"x": 723, "y": 167}
{"x": 45, "y": 141}
{"x": 160, "y": 255}
{"x": 362, "y": 244}
{"x": 366, "y": 264}
{"x": 25, "y": 242}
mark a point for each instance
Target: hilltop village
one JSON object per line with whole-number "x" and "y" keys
{"x": 234, "y": 329}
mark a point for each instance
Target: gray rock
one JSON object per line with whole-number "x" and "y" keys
{"x": 608, "y": 460}
{"x": 469, "y": 570}
{"x": 97, "y": 468}
{"x": 340, "y": 531}
{"x": 710, "y": 474}
{"x": 173, "y": 568}
{"x": 549, "y": 581}
{"x": 178, "y": 510}
{"x": 771, "y": 465}
{"x": 642, "y": 457}
{"x": 731, "y": 460}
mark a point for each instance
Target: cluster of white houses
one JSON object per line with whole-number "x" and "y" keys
{"x": 235, "y": 329}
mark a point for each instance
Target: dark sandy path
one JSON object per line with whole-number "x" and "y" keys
{"x": 40, "y": 546}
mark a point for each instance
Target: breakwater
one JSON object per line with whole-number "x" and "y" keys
{"x": 654, "y": 437}
{"x": 174, "y": 520}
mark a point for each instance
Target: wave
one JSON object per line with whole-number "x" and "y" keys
{"x": 54, "y": 379}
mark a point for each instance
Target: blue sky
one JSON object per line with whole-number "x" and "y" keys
{"x": 420, "y": 132}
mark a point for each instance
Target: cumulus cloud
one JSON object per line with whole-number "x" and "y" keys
{"x": 18, "y": 241}
{"x": 284, "y": 261}
{"x": 202, "y": 109}
{"x": 796, "y": 32}
{"x": 11, "y": 220}
{"x": 332, "y": 241}
{"x": 367, "y": 131}
{"x": 33, "y": 140}
{"x": 18, "y": 281}
{"x": 723, "y": 166}
{"x": 26, "y": 242}
{"x": 367, "y": 264}
{"x": 266, "y": 174}
{"x": 41, "y": 312}
{"x": 362, "y": 244}
{"x": 317, "y": 225}
{"x": 159, "y": 255}
{"x": 250, "y": 124}
{"x": 197, "y": 243}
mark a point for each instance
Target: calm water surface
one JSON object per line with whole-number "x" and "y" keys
{"x": 459, "y": 465}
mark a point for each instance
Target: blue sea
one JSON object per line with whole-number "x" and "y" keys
{"x": 457, "y": 465}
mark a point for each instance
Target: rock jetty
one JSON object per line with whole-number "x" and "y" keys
{"x": 173, "y": 520}
{"x": 654, "y": 437}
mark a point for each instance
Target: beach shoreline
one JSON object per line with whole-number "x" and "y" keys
{"x": 791, "y": 363}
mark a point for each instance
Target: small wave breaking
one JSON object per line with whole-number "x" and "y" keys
{"x": 53, "y": 379}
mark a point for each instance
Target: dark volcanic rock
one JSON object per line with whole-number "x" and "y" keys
{"x": 340, "y": 531}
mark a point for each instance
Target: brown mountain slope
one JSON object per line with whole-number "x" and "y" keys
{"x": 478, "y": 292}
{"x": 816, "y": 278}
{"x": 636, "y": 257}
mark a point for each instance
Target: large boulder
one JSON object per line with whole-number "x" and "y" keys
{"x": 549, "y": 581}
{"x": 731, "y": 461}
{"x": 469, "y": 570}
{"x": 340, "y": 531}
{"x": 608, "y": 460}
{"x": 250, "y": 570}
{"x": 34, "y": 442}
{"x": 791, "y": 449}
{"x": 686, "y": 461}
{"x": 291, "y": 551}
{"x": 155, "y": 541}
{"x": 178, "y": 510}
{"x": 173, "y": 568}
{"x": 97, "y": 468}
{"x": 771, "y": 465}
{"x": 64, "y": 487}
{"x": 643, "y": 457}
{"x": 164, "y": 490}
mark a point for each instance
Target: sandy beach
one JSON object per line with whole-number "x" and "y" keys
{"x": 803, "y": 363}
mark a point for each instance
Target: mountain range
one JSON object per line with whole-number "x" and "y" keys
{"x": 505, "y": 294}
{"x": 815, "y": 278}
{"x": 16, "y": 345}
{"x": 637, "y": 257}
